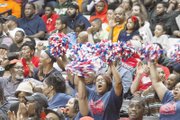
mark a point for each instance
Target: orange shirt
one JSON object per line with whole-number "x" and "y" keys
{"x": 117, "y": 29}
{"x": 6, "y": 5}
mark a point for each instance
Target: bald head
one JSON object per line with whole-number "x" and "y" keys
{"x": 119, "y": 15}
{"x": 82, "y": 37}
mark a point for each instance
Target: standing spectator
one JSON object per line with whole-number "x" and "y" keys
{"x": 127, "y": 5}
{"x": 50, "y": 18}
{"x": 100, "y": 11}
{"x": 116, "y": 25}
{"x": 32, "y": 24}
{"x": 75, "y": 17}
{"x": 168, "y": 99}
{"x": 105, "y": 102}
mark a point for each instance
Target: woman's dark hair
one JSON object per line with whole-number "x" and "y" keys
{"x": 135, "y": 21}
{"x": 107, "y": 78}
{"x": 163, "y": 26}
{"x": 57, "y": 81}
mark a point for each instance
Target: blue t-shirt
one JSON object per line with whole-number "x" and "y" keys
{"x": 104, "y": 107}
{"x": 32, "y": 26}
{"x": 59, "y": 100}
{"x": 170, "y": 110}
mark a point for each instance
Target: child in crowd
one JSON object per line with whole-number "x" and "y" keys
{"x": 130, "y": 30}
{"x": 160, "y": 36}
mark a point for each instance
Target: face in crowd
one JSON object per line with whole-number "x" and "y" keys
{"x": 29, "y": 10}
{"x": 71, "y": 12}
{"x": 17, "y": 71}
{"x": 102, "y": 84}
{"x": 135, "y": 109}
{"x": 119, "y": 15}
{"x": 99, "y": 6}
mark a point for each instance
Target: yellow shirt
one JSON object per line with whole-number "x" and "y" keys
{"x": 6, "y": 5}
{"x": 117, "y": 29}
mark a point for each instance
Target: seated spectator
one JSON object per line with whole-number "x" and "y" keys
{"x": 161, "y": 17}
{"x": 160, "y": 36}
{"x": 138, "y": 9}
{"x": 95, "y": 32}
{"x": 71, "y": 109}
{"x": 131, "y": 29}
{"x": 75, "y": 17}
{"x": 11, "y": 83}
{"x": 101, "y": 8}
{"x": 11, "y": 26}
{"x": 116, "y": 27}
{"x": 45, "y": 66}
{"x": 32, "y": 24}
{"x": 50, "y": 18}
{"x": 54, "y": 88}
{"x": 24, "y": 89}
{"x": 135, "y": 109}
{"x": 18, "y": 41}
{"x": 28, "y": 59}
{"x": 32, "y": 109}
{"x": 61, "y": 26}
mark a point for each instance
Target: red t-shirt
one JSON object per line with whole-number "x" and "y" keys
{"x": 50, "y": 22}
{"x": 144, "y": 82}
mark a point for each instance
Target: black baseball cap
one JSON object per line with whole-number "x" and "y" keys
{"x": 74, "y": 5}
{"x": 38, "y": 97}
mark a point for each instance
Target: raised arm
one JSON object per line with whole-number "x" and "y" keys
{"x": 117, "y": 80}
{"x": 157, "y": 84}
{"x": 82, "y": 96}
{"x": 139, "y": 72}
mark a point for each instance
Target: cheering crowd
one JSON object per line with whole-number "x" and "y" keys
{"x": 89, "y": 59}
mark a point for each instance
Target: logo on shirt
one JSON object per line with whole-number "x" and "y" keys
{"x": 97, "y": 107}
{"x": 169, "y": 108}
